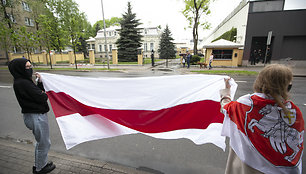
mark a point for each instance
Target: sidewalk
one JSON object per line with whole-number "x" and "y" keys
{"x": 17, "y": 158}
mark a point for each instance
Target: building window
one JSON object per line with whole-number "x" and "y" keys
{"x": 93, "y": 46}
{"x": 151, "y": 46}
{"x": 110, "y": 47}
{"x": 105, "y": 47}
{"x": 100, "y": 48}
{"x": 223, "y": 54}
{"x": 12, "y": 18}
{"x": 4, "y": 2}
{"x": 26, "y": 6}
{"x": 145, "y": 47}
{"x": 28, "y": 21}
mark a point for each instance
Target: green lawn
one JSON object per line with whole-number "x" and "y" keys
{"x": 227, "y": 72}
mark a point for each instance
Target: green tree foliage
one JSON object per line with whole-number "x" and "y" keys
{"x": 193, "y": 12}
{"x": 229, "y": 35}
{"x": 7, "y": 29}
{"x": 114, "y": 21}
{"x": 166, "y": 46}
{"x": 71, "y": 20}
{"x": 7, "y": 38}
{"x": 27, "y": 40}
{"x": 195, "y": 59}
{"x": 130, "y": 37}
{"x": 48, "y": 33}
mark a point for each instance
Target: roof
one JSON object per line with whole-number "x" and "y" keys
{"x": 221, "y": 43}
{"x": 91, "y": 39}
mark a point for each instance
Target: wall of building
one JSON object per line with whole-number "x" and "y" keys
{"x": 21, "y": 15}
{"x": 234, "y": 62}
{"x": 150, "y": 36}
{"x": 44, "y": 58}
{"x": 289, "y": 33}
{"x": 237, "y": 19}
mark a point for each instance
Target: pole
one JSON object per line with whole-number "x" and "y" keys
{"x": 268, "y": 43}
{"x": 105, "y": 36}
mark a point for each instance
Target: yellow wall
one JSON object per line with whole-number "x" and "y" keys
{"x": 234, "y": 62}
{"x": 41, "y": 58}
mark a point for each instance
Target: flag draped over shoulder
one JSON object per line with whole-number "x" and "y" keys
{"x": 262, "y": 136}
{"x": 167, "y": 107}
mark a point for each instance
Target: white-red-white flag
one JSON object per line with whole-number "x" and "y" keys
{"x": 262, "y": 136}
{"x": 167, "y": 107}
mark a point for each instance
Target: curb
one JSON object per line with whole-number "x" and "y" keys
{"x": 65, "y": 162}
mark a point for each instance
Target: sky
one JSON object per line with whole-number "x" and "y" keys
{"x": 157, "y": 12}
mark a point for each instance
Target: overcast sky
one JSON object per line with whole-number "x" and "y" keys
{"x": 157, "y": 12}
{"x": 163, "y": 12}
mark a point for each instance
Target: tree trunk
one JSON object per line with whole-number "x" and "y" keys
{"x": 166, "y": 63}
{"x": 195, "y": 34}
{"x": 7, "y": 56}
{"x": 49, "y": 57}
{"x": 75, "y": 61}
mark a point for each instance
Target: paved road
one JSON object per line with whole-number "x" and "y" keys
{"x": 140, "y": 151}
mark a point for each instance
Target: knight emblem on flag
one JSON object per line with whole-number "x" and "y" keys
{"x": 277, "y": 136}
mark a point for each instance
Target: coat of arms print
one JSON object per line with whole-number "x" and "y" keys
{"x": 269, "y": 128}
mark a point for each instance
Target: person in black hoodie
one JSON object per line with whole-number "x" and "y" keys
{"x": 34, "y": 107}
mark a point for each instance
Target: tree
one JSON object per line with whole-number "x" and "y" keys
{"x": 37, "y": 8}
{"x": 86, "y": 33}
{"x": 194, "y": 10}
{"x": 7, "y": 37}
{"x": 166, "y": 46}
{"x": 97, "y": 27}
{"x": 72, "y": 21}
{"x": 130, "y": 37}
{"x": 48, "y": 37}
{"x": 7, "y": 33}
{"x": 27, "y": 40}
{"x": 229, "y": 35}
{"x": 114, "y": 21}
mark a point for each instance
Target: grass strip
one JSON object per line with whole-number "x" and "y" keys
{"x": 227, "y": 72}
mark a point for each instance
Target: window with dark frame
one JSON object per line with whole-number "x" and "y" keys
{"x": 223, "y": 54}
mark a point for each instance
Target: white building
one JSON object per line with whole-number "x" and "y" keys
{"x": 150, "y": 41}
{"x": 236, "y": 19}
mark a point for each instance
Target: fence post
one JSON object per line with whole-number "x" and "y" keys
{"x": 92, "y": 59}
{"x": 71, "y": 58}
{"x": 115, "y": 56}
{"x": 140, "y": 57}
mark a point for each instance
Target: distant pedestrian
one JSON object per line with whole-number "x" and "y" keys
{"x": 152, "y": 57}
{"x": 183, "y": 61}
{"x": 188, "y": 59}
{"x": 33, "y": 102}
{"x": 23, "y": 57}
{"x": 211, "y": 58}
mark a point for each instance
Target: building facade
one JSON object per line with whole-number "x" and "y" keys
{"x": 20, "y": 14}
{"x": 236, "y": 19}
{"x": 285, "y": 21}
{"x": 255, "y": 19}
{"x": 150, "y": 41}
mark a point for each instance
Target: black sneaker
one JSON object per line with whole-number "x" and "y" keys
{"x": 48, "y": 168}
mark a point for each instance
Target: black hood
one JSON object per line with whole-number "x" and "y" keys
{"x": 18, "y": 70}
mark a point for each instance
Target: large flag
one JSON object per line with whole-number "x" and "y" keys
{"x": 262, "y": 136}
{"x": 167, "y": 107}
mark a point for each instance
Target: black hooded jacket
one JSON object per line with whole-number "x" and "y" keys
{"x": 31, "y": 97}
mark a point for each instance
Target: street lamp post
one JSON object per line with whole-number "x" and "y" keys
{"x": 105, "y": 36}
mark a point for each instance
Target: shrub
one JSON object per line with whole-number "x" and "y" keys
{"x": 195, "y": 59}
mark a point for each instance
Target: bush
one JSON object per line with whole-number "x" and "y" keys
{"x": 195, "y": 59}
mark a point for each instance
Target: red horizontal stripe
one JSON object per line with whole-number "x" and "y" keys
{"x": 197, "y": 115}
